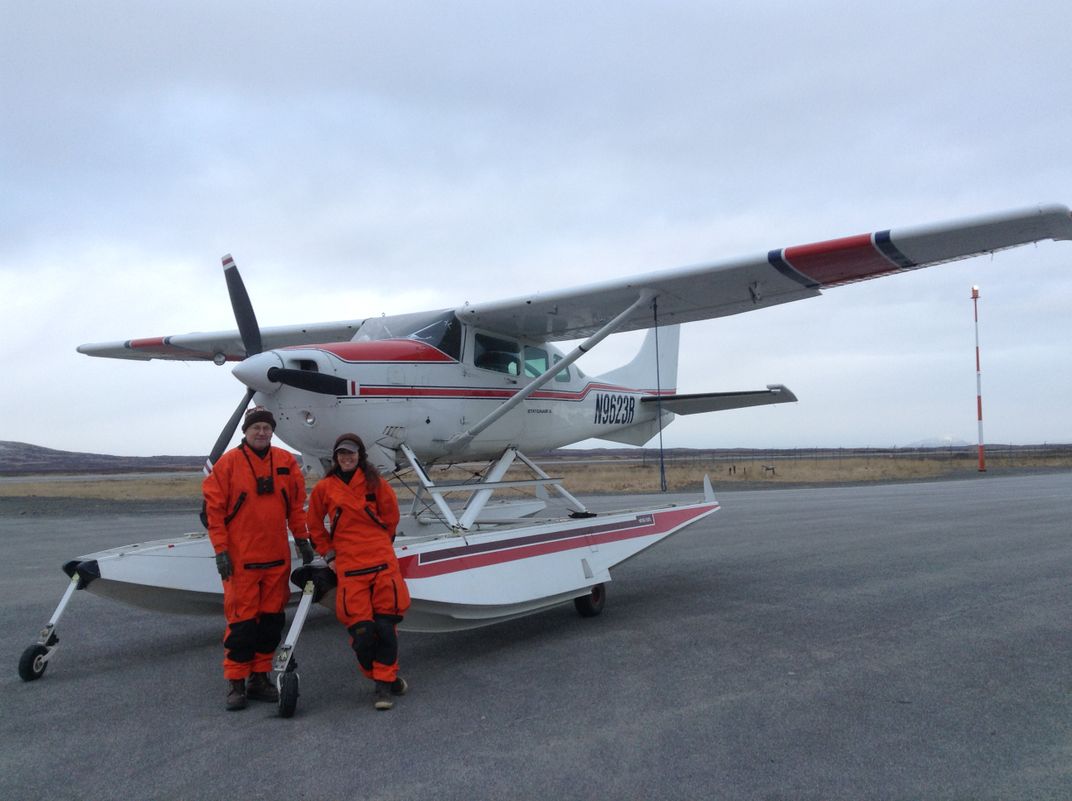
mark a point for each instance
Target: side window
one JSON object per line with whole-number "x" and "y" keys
{"x": 535, "y": 361}
{"x": 494, "y": 353}
{"x": 563, "y": 374}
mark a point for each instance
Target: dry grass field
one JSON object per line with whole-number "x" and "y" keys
{"x": 599, "y": 476}
{"x": 780, "y": 471}
{"x": 144, "y": 487}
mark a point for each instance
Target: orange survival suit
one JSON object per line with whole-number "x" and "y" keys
{"x": 372, "y": 596}
{"x": 250, "y": 523}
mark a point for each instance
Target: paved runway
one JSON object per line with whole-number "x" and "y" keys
{"x": 886, "y": 642}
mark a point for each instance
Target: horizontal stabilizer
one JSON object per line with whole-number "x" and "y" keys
{"x": 721, "y": 401}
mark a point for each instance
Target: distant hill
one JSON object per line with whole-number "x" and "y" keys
{"x": 20, "y": 457}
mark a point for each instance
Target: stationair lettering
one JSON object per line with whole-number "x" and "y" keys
{"x": 614, "y": 409}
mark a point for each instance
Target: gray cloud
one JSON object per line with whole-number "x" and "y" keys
{"x": 375, "y": 157}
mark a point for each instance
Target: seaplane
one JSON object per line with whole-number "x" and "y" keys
{"x": 485, "y": 383}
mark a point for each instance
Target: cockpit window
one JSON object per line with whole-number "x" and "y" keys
{"x": 495, "y": 353}
{"x": 445, "y": 334}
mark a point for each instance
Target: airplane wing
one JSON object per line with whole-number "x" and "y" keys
{"x": 779, "y": 276}
{"x": 201, "y": 346}
{"x": 682, "y": 295}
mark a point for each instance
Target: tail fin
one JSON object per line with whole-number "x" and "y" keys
{"x": 646, "y": 371}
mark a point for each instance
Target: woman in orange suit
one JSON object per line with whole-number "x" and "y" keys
{"x": 361, "y": 511}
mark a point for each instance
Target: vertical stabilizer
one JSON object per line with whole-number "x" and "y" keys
{"x": 641, "y": 372}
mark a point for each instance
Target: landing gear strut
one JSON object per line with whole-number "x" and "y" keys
{"x": 34, "y": 660}
{"x": 315, "y": 582}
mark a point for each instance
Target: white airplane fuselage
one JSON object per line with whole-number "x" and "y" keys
{"x": 403, "y": 390}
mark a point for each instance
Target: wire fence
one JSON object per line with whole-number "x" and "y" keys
{"x": 996, "y": 452}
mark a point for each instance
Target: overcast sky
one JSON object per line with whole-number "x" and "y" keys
{"x": 363, "y": 158}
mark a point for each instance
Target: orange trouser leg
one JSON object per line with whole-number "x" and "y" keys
{"x": 253, "y": 603}
{"x": 370, "y": 605}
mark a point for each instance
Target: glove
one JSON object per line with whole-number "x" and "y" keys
{"x": 223, "y": 565}
{"x": 305, "y": 548}
{"x": 329, "y": 557}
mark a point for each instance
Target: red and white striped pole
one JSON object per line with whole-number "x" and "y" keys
{"x": 978, "y": 380}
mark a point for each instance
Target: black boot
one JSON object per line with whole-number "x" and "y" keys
{"x": 236, "y": 694}
{"x": 383, "y": 700}
{"x": 261, "y": 689}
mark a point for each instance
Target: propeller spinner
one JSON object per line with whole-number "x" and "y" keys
{"x": 265, "y": 373}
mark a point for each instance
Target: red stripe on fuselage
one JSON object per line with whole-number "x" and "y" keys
{"x": 486, "y": 393}
{"x": 382, "y": 350}
{"x": 839, "y": 261}
{"x": 435, "y": 563}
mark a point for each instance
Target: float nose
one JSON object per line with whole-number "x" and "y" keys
{"x": 253, "y": 372}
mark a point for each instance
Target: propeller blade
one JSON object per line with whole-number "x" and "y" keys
{"x": 243, "y": 308}
{"x": 308, "y": 380}
{"x": 228, "y": 432}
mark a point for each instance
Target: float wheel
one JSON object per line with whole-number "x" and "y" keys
{"x": 591, "y": 604}
{"x": 32, "y": 663}
{"x": 288, "y": 694}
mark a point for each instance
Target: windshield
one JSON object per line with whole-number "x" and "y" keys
{"x": 439, "y": 329}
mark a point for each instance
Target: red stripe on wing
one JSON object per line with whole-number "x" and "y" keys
{"x": 162, "y": 347}
{"x": 839, "y": 261}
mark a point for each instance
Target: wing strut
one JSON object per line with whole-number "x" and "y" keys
{"x": 480, "y": 492}
{"x": 459, "y": 441}
{"x": 663, "y": 487}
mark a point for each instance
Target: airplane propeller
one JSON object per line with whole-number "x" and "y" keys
{"x": 243, "y": 308}
{"x": 250, "y": 332}
{"x": 229, "y": 429}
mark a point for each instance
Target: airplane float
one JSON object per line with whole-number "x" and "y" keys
{"x": 486, "y": 382}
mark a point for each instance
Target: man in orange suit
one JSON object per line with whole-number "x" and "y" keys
{"x": 254, "y": 492}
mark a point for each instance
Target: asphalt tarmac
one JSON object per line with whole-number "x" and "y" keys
{"x": 903, "y": 641}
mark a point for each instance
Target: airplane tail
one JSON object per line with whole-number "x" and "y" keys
{"x": 650, "y": 370}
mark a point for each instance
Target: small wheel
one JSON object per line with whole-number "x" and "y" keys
{"x": 288, "y": 694}
{"x": 591, "y": 604}
{"x": 32, "y": 663}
